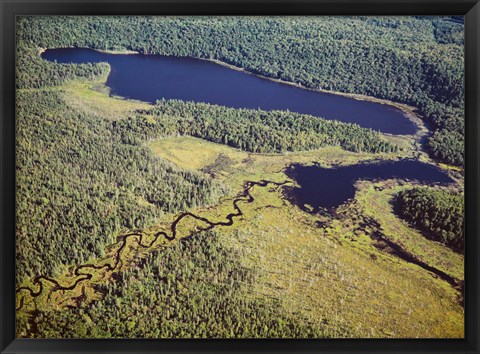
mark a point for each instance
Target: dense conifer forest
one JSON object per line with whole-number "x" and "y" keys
{"x": 438, "y": 213}
{"x": 250, "y": 130}
{"x": 418, "y": 61}
{"x": 71, "y": 146}
{"x": 78, "y": 185}
{"x": 85, "y": 178}
{"x": 196, "y": 289}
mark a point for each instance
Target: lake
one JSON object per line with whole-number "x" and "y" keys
{"x": 329, "y": 187}
{"x": 152, "y": 77}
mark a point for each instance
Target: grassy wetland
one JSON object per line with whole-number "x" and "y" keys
{"x": 180, "y": 220}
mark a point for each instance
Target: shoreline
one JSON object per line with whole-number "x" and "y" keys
{"x": 407, "y": 110}
{"x": 105, "y": 51}
{"x": 116, "y": 52}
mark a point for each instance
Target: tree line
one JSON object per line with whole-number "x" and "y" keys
{"x": 412, "y": 60}
{"x": 34, "y": 72}
{"x": 438, "y": 213}
{"x": 248, "y": 129}
{"x": 81, "y": 180}
{"x": 195, "y": 289}
{"x": 78, "y": 185}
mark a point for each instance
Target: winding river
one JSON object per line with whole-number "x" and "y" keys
{"x": 318, "y": 187}
{"x": 83, "y": 275}
{"x": 152, "y": 77}
{"x": 149, "y": 78}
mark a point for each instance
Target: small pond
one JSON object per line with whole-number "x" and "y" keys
{"x": 329, "y": 187}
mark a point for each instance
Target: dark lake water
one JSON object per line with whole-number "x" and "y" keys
{"x": 152, "y": 77}
{"x": 330, "y": 187}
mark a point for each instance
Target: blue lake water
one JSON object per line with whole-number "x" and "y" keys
{"x": 329, "y": 187}
{"x": 152, "y": 77}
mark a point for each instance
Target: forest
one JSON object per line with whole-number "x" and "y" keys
{"x": 247, "y": 129}
{"x": 438, "y": 213}
{"x": 83, "y": 178}
{"x": 97, "y": 177}
{"x": 79, "y": 185}
{"x": 417, "y": 61}
{"x": 194, "y": 289}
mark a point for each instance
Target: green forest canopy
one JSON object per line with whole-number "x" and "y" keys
{"x": 248, "y": 129}
{"x": 194, "y": 289}
{"x": 412, "y": 60}
{"x": 79, "y": 176}
{"x": 438, "y": 213}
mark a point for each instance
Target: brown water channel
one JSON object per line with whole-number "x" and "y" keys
{"x": 82, "y": 271}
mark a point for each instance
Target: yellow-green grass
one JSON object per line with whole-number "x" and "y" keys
{"x": 378, "y": 203}
{"x": 50, "y": 299}
{"x": 93, "y": 97}
{"x": 193, "y": 153}
{"x": 316, "y": 272}
{"x": 306, "y": 267}
{"x": 327, "y": 274}
{"x": 331, "y": 283}
{"x": 450, "y": 167}
{"x": 328, "y": 283}
{"x": 183, "y": 152}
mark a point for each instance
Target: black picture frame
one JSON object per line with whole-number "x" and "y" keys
{"x": 10, "y": 9}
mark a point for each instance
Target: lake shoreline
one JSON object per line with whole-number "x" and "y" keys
{"x": 105, "y": 51}
{"x": 116, "y": 52}
{"x": 407, "y": 110}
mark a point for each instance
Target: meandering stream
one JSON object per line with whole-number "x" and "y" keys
{"x": 149, "y": 78}
{"x": 83, "y": 275}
